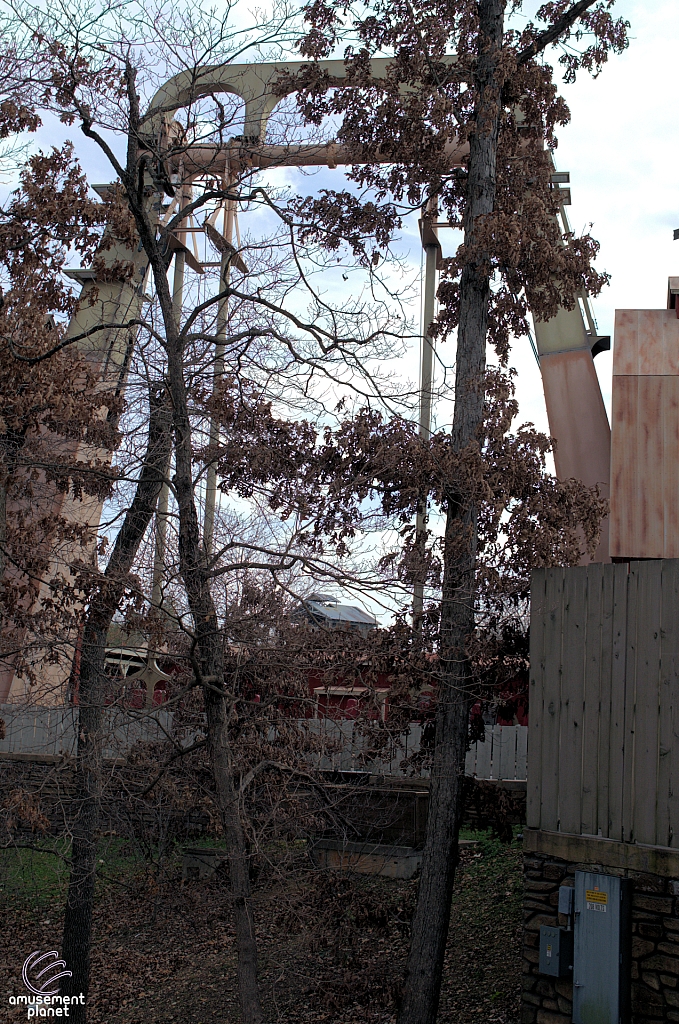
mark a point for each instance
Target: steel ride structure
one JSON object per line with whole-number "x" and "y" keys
{"x": 565, "y": 345}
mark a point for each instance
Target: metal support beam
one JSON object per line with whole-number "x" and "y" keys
{"x": 218, "y": 372}
{"x": 164, "y": 496}
{"x": 432, "y": 254}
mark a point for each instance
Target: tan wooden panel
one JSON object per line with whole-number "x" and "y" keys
{"x": 647, "y": 679}
{"x": 536, "y": 698}
{"x": 637, "y": 468}
{"x": 670, "y": 425}
{"x": 616, "y": 768}
{"x": 626, "y": 347}
{"x": 572, "y": 698}
{"x": 648, "y": 500}
{"x": 624, "y": 414}
{"x": 549, "y": 813}
{"x": 667, "y": 822}
{"x": 650, "y": 342}
{"x": 670, "y": 342}
{"x": 646, "y": 342}
{"x": 645, "y": 435}
{"x": 592, "y": 699}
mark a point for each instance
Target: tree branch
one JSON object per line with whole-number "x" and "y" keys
{"x": 34, "y": 360}
{"x": 551, "y": 35}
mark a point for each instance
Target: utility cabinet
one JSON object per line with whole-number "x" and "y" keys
{"x": 602, "y": 947}
{"x": 556, "y": 952}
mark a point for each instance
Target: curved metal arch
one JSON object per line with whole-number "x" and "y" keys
{"x": 253, "y": 83}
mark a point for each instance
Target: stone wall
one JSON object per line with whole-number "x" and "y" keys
{"x": 382, "y": 810}
{"x": 45, "y": 786}
{"x": 655, "y": 940}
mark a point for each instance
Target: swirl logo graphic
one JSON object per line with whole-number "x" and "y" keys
{"x": 42, "y": 967}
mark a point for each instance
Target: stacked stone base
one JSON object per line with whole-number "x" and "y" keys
{"x": 551, "y": 860}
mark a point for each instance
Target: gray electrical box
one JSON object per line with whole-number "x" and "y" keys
{"x": 566, "y": 895}
{"x": 556, "y": 952}
{"x": 601, "y": 955}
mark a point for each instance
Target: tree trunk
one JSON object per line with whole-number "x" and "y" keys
{"x": 239, "y": 873}
{"x": 210, "y": 659}
{"x": 88, "y": 767}
{"x": 3, "y": 521}
{"x": 432, "y": 915}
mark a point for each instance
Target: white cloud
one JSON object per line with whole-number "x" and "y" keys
{"x": 622, "y": 150}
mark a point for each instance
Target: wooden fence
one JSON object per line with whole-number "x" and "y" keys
{"x": 604, "y": 702}
{"x": 502, "y": 755}
{"x": 52, "y": 731}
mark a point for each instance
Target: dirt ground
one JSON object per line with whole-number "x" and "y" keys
{"x": 332, "y": 946}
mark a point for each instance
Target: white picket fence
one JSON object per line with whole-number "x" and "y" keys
{"x": 52, "y": 731}
{"x": 502, "y": 755}
{"x": 346, "y": 749}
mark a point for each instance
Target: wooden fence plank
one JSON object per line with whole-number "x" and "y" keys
{"x": 498, "y": 738}
{"x": 646, "y": 727}
{"x": 572, "y": 699}
{"x": 413, "y": 739}
{"x": 627, "y": 821}
{"x": 497, "y": 750}
{"x": 521, "y": 751}
{"x": 507, "y": 769}
{"x": 40, "y": 733}
{"x": 536, "y": 697}
{"x": 592, "y": 700}
{"x": 549, "y": 768}
{"x": 616, "y": 768}
{"x": 605, "y": 682}
{"x": 26, "y": 730}
{"x": 667, "y": 821}
{"x": 483, "y": 755}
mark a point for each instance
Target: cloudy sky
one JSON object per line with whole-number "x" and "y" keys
{"x": 622, "y": 151}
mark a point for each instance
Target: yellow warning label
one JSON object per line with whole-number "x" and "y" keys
{"x": 594, "y": 896}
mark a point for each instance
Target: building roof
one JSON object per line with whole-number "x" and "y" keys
{"x": 322, "y": 608}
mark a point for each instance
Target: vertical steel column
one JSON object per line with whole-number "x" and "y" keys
{"x": 164, "y": 496}
{"x": 431, "y": 250}
{"x": 220, "y": 348}
{"x": 575, "y": 406}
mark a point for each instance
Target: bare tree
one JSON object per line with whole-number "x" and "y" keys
{"x": 85, "y": 69}
{"x": 460, "y": 75}
{"x": 237, "y": 356}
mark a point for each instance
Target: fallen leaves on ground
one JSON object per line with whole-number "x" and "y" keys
{"x": 332, "y": 946}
